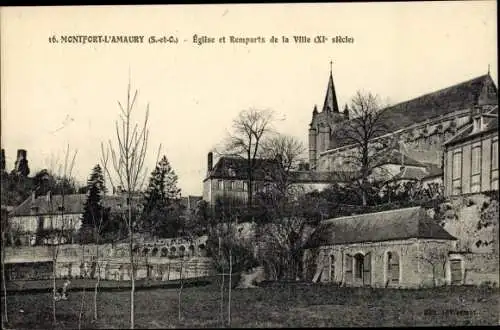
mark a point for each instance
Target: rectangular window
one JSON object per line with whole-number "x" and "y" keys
{"x": 494, "y": 165}
{"x": 457, "y": 173}
{"x": 476, "y": 160}
{"x": 475, "y": 184}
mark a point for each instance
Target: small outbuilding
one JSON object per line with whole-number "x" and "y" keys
{"x": 398, "y": 248}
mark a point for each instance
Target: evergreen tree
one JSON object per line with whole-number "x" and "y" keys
{"x": 162, "y": 208}
{"x": 93, "y": 214}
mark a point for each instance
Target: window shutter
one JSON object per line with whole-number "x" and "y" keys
{"x": 348, "y": 268}
{"x": 367, "y": 272}
{"x": 394, "y": 268}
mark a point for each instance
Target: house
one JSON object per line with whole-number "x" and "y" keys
{"x": 471, "y": 156}
{"x": 396, "y": 248}
{"x": 54, "y": 213}
{"x": 228, "y": 178}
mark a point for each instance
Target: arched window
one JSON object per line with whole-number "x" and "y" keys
{"x": 182, "y": 249}
{"x": 154, "y": 252}
{"x": 392, "y": 268}
{"x": 332, "y": 268}
{"x": 173, "y": 251}
{"x": 164, "y": 252}
{"x": 358, "y": 266}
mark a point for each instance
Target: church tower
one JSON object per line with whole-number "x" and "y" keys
{"x": 323, "y": 124}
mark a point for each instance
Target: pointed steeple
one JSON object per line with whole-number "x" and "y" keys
{"x": 331, "y": 97}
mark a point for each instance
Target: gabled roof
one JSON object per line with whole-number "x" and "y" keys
{"x": 490, "y": 122}
{"x": 73, "y": 204}
{"x": 321, "y": 177}
{"x": 454, "y": 98}
{"x": 391, "y": 225}
{"x": 395, "y": 156}
{"x": 236, "y": 168}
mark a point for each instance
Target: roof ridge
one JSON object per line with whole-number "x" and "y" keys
{"x": 440, "y": 90}
{"x": 357, "y": 215}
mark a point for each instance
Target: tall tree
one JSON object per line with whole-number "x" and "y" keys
{"x": 248, "y": 132}
{"x": 368, "y": 121}
{"x": 127, "y": 159}
{"x": 93, "y": 212}
{"x": 161, "y": 211}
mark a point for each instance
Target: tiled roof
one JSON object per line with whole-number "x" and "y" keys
{"x": 376, "y": 227}
{"x": 321, "y": 177}
{"x": 73, "y": 204}
{"x": 490, "y": 124}
{"x": 458, "y": 97}
{"x": 396, "y": 157}
{"x": 235, "y": 168}
{"x": 411, "y": 173}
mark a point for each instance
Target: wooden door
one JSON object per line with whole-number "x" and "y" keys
{"x": 456, "y": 272}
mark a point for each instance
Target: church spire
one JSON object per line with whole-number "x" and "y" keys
{"x": 331, "y": 98}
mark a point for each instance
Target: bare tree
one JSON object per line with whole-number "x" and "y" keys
{"x": 286, "y": 151}
{"x": 368, "y": 121}
{"x": 249, "y": 130}
{"x": 57, "y": 235}
{"x": 435, "y": 258}
{"x": 127, "y": 158}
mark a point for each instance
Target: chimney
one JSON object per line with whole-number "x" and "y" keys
{"x": 49, "y": 197}
{"x": 21, "y": 154}
{"x": 33, "y": 197}
{"x": 210, "y": 161}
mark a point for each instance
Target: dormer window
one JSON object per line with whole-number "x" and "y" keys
{"x": 60, "y": 208}
{"x": 231, "y": 172}
{"x": 477, "y": 124}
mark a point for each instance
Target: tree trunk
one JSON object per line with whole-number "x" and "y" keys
{"x": 54, "y": 288}
{"x": 180, "y": 294}
{"x": 229, "y": 292}
{"x": 97, "y": 283}
{"x": 132, "y": 268}
{"x": 222, "y": 298}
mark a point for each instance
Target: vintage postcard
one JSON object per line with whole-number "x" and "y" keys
{"x": 249, "y": 165}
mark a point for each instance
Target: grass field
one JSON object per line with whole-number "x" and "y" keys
{"x": 290, "y": 305}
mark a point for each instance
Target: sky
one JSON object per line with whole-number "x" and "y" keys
{"x": 59, "y": 94}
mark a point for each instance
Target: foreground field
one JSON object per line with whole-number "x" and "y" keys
{"x": 290, "y": 305}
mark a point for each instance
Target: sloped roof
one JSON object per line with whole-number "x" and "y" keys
{"x": 391, "y": 225}
{"x": 321, "y": 177}
{"x": 233, "y": 167}
{"x": 457, "y": 97}
{"x": 395, "y": 156}
{"x": 73, "y": 204}
{"x": 411, "y": 173}
{"x": 490, "y": 122}
{"x": 330, "y": 103}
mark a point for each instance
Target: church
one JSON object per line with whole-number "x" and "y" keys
{"x": 454, "y": 129}
{"x": 422, "y": 125}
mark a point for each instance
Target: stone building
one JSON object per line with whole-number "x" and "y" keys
{"x": 228, "y": 178}
{"x": 400, "y": 248}
{"x": 422, "y": 124}
{"x": 471, "y": 156}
